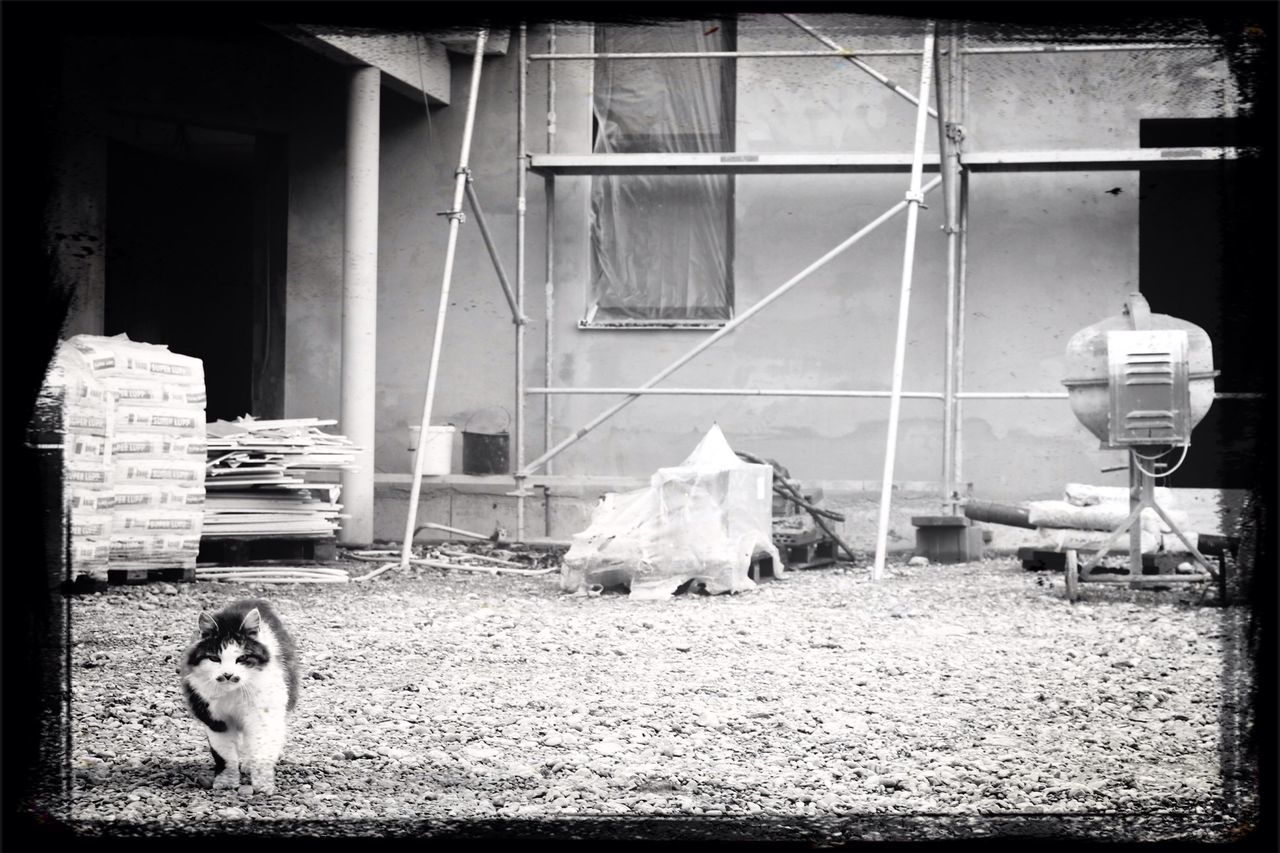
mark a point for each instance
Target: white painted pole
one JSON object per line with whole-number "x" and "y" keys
{"x": 916, "y": 198}
{"x": 455, "y": 218}
{"x": 360, "y": 302}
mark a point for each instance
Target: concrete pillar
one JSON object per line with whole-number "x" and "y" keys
{"x": 360, "y": 302}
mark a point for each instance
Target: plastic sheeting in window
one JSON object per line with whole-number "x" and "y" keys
{"x": 660, "y": 243}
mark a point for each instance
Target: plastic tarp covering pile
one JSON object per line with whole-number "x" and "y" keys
{"x": 702, "y": 520}
{"x": 659, "y": 242}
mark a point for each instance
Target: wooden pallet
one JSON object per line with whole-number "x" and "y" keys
{"x": 238, "y": 550}
{"x": 128, "y": 577}
{"x": 798, "y": 553}
{"x": 116, "y": 577}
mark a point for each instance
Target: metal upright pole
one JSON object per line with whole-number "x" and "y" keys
{"x": 914, "y": 198}
{"x": 549, "y": 288}
{"x": 957, "y": 422}
{"x": 455, "y": 218}
{"x": 522, "y": 175}
{"x": 1140, "y": 484}
{"x": 948, "y": 165}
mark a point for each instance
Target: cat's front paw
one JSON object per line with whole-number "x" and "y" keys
{"x": 226, "y": 779}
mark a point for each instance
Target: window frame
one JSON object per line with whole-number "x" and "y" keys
{"x": 728, "y": 111}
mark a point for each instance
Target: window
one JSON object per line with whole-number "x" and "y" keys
{"x": 662, "y": 245}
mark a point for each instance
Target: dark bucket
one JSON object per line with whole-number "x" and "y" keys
{"x": 485, "y": 453}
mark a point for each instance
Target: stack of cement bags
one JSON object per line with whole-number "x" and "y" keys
{"x": 73, "y": 401}
{"x": 146, "y": 407}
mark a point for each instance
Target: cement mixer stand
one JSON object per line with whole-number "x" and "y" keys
{"x": 1142, "y": 494}
{"x": 1142, "y": 382}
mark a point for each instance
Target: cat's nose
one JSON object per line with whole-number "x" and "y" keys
{"x": 226, "y": 676}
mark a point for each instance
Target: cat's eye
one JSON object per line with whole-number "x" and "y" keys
{"x": 248, "y": 660}
{"x": 214, "y": 658}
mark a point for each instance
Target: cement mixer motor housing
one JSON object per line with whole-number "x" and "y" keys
{"x": 1140, "y": 380}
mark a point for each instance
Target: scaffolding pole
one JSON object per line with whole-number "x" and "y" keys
{"x": 838, "y": 53}
{"x": 1081, "y": 48}
{"x": 522, "y": 181}
{"x": 741, "y": 392}
{"x": 957, "y": 421}
{"x": 952, "y": 105}
{"x": 867, "y": 68}
{"x": 949, "y": 164}
{"x": 517, "y": 316}
{"x": 455, "y": 218}
{"x": 549, "y": 294}
{"x": 915, "y": 198}
{"x": 733, "y": 324}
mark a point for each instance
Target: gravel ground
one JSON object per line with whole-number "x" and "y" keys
{"x": 944, "y": 701}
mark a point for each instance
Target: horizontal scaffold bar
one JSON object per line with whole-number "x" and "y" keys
{"x": 729, "y": 54}
{"x": 737, "y": 392}
{"x": 1095, "y": 159}
{"x": 888, "y": 162}
{"x": 990, "y": 50}
{"x": 834, "y": 392}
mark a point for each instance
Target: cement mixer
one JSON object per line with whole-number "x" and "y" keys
{"x": 1141, "y": 382}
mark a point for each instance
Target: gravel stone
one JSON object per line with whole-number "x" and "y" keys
{"x": 962, "y": 691}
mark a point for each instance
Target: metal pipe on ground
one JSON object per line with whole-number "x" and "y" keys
{"x": 998, "y": 513}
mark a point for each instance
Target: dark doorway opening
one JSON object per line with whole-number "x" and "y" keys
{"x": 1204, "y": 254}
{"x": 195, "y": 254}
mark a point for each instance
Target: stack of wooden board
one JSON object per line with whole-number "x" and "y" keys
{"x": 274, "y": 478}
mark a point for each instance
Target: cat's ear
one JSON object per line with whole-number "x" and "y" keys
{"x": 252, "y": 620}
{"x": 208, "y": 625}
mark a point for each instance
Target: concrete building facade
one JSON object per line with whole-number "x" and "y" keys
{"x": 267, "y": 110}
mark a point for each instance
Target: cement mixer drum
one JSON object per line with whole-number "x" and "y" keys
{"x": 1140, "y": 379}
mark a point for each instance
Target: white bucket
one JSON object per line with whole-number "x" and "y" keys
{"x": 437, "y": 452}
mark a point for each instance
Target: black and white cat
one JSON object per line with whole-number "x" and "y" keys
{"x": 240, "y": 678}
